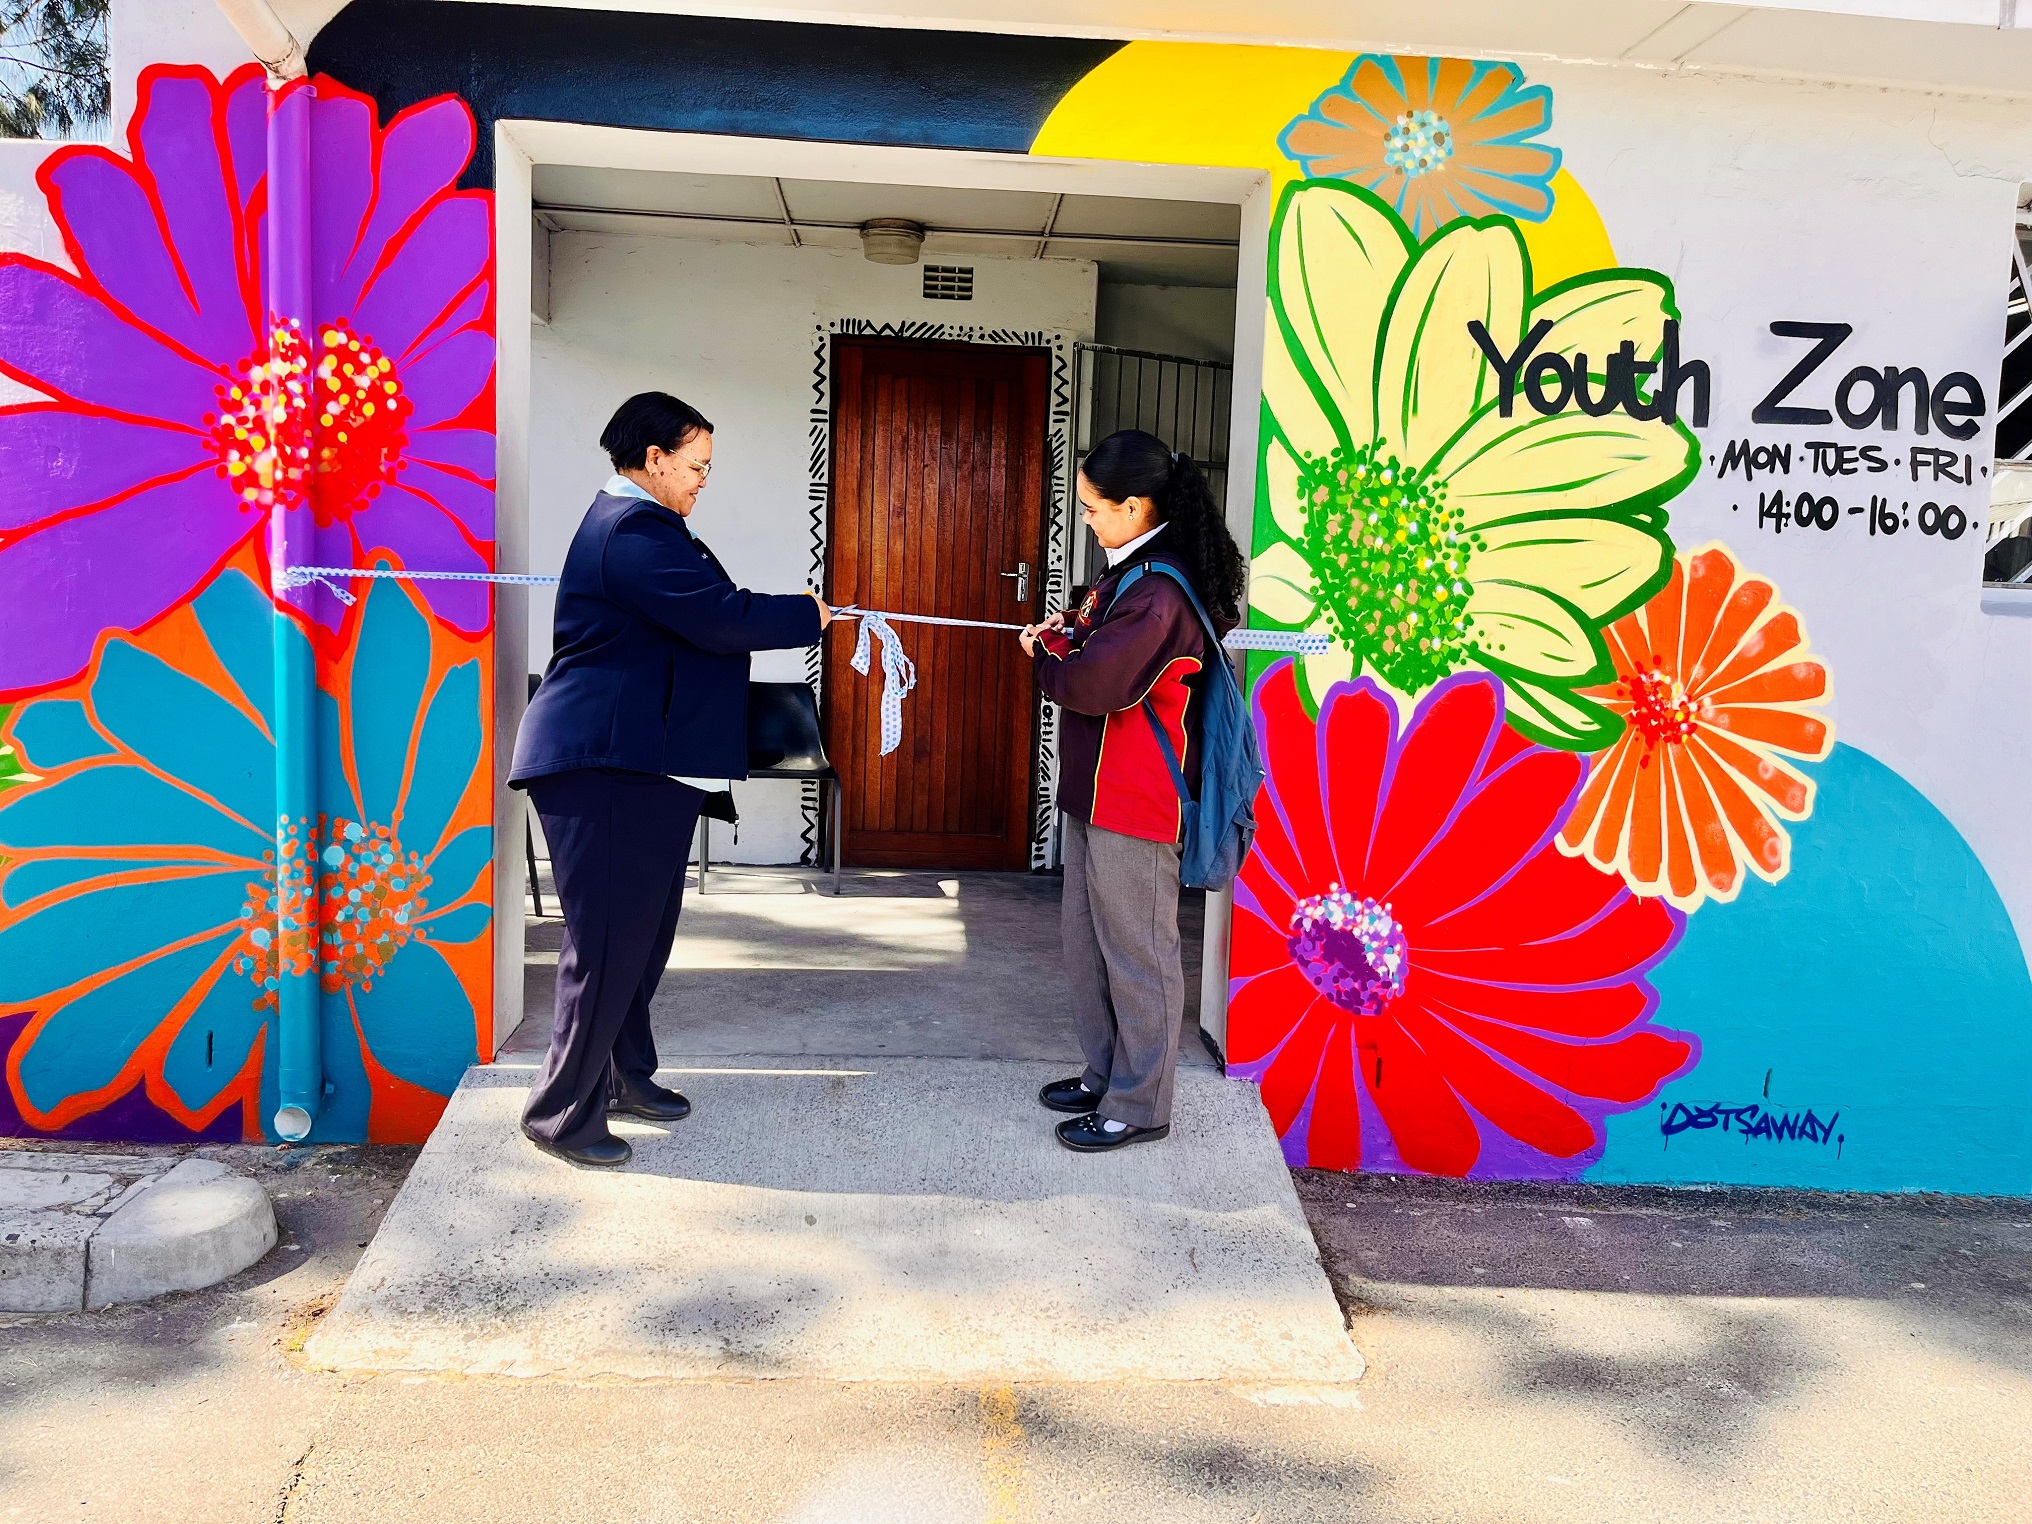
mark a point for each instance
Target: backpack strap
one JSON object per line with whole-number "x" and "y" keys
{"x": 1170, "y": 754}
{"x": 1128, "y": 579}
{"x": 1213, "y": 641}
{"x": 1184, "y": 585}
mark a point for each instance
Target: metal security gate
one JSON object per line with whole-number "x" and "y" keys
{"x": 1183, "y": 401}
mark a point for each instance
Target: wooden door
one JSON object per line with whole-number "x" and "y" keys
{"x": 937, "y": 492}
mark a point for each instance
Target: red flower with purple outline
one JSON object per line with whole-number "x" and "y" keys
{"x": 180, "y": 417}
{"x": 1420, "y": 979}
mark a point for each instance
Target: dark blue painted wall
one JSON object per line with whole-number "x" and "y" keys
{"x": 700, "y": 74}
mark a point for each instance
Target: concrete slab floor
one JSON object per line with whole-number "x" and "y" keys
{"x": 922, "y": 965}
{"x": 1773, "y": 1361}
{"x": 870, "y": 1219}
{"x": 857, "y": 1220}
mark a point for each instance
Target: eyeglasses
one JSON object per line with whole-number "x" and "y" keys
{"x": 703, "y": 467}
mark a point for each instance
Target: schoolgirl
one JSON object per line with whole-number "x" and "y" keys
{"x": 1118, "y": 667}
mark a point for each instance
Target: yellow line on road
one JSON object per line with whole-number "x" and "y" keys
{"x": 1002, "y": 1458}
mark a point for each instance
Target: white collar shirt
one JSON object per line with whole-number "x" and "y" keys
{"x": 1121, "y": 553}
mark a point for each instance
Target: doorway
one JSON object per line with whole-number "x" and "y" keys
{"x": 732, "y": 267}
{"x": 937, "y": 507}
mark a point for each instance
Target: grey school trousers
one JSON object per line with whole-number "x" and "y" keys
{"x": 1120, "y": 923}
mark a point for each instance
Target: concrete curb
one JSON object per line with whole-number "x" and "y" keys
{"x": 84, "y": 1231}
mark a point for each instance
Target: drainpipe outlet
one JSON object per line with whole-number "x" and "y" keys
{"x": 292, "y": 1124}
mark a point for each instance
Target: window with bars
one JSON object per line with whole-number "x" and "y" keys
{"x": 1183, "y": 401}
{"x": 2008, "y": 561}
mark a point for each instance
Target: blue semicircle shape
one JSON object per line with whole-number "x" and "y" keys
{"x": 1879, "y": 986}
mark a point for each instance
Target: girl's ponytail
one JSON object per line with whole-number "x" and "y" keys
{"x": 1132, "y": 463}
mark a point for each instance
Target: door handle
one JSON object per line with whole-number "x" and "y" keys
{"x": 1022, "y": 576}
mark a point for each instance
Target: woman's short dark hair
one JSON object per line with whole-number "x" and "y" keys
{"x": 1132, "y": 463}
{"x": 645, "y": 419}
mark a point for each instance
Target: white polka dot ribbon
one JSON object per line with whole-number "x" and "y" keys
{"x": 899, "y": 672}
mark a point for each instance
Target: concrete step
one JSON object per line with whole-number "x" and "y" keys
{"x": 885, "y": 1219}
{"x": 92, "y": 1230}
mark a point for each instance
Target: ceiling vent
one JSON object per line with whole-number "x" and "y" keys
{"x": 948, "y": 283}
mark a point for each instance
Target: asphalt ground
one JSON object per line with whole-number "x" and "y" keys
{"x": 1534, "y": 1354}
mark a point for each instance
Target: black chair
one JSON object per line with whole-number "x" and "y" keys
{"x": 784, "y": 742}
{"x": 529, "y": 828}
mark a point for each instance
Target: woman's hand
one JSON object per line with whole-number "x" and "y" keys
{"x": 825, "y": 615}
{"x": 1055, "y": 622}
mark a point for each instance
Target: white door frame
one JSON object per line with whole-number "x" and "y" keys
{"x": 519, "y": 146}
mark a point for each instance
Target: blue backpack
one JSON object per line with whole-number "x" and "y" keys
{"x": 1220, "y": 824}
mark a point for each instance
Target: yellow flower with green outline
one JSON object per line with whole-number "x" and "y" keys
{"x": 1408, "y": 517}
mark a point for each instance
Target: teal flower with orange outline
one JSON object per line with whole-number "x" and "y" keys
{"x": 139, "y": 886}
{"x": 1436, "y": 138}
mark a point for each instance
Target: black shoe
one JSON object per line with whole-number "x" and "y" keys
{"x": 1086, "y": 1135}
{"x": 607, "y": 1153}
{"x": 1070, "y": 1095}
{"x": 651, "y": 1102}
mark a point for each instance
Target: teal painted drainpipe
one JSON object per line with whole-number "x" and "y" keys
{"x": 301, "y": 1082}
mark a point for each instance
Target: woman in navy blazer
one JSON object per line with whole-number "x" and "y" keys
{"x": 647, "y": 688}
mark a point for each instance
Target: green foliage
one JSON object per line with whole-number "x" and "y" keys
{"x": 11, "y": 770}
{"x": 1389, "y": 560}
{"x": 53, "y": 68}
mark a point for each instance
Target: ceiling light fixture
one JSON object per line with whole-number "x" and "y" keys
{"x": 892, "y": 240}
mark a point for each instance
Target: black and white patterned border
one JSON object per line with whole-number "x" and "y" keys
{"x": 1057, "y": 518}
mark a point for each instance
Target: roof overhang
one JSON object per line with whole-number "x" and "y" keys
{"x": 1958, "y": 45}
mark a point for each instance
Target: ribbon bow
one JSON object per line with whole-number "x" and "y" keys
{"x": 899, "y": 673}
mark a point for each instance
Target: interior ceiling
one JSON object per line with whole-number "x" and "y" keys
{"x": 1135, "y": 242}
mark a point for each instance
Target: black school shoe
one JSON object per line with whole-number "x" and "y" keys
{"x": 607, "y": 1153}
{"x": 1086, "y": 1135}
{"x": 652, "y": 1103}
{"x": 1070, "y": 1096}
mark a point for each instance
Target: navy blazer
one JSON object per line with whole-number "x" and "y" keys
{"x": 649, "y": 665}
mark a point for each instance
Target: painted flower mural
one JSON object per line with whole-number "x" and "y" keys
{"x": 1420, "y": 979}
{"x": 1426, "y": 525}
{"x": 11, "y": 770}
{"x": 1719, "y": 694}
{"x": 1435, "y": 138}
{"x": 180, "y": 417}
{"x": 143, "y": 915}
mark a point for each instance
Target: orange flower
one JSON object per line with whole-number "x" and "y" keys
{"x": 1716, "y": 689}
{"x": 1437, "y": 138}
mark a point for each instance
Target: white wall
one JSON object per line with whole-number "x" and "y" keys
{"x": 1893, "y": 212}
{"x": 730, "y": 328}
{"x": 1195, "y": 321}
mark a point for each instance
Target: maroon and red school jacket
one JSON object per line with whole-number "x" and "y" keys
{"x": 1113, "y": 654}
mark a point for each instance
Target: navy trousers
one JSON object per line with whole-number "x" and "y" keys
{"x": 618, "y": 845}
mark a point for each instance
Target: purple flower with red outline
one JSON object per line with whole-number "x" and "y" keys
{"x": 181, "y": 417}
